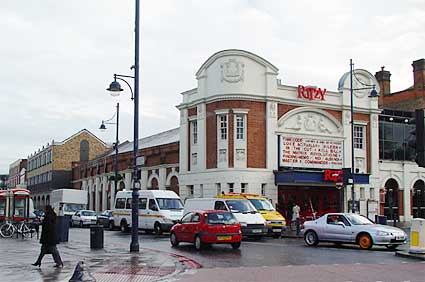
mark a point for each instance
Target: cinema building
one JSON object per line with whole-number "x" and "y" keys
{"x": 243, "y": 130}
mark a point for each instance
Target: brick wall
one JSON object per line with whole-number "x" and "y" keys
{"x": 256, "y": 132}
{"x": 65, "y": 154}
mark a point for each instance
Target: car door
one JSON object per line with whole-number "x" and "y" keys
{"x": 182, "y": 232}
{"x": 193, "y": 227}
{"x": 337, "y": 228}
{"x": 152, "y": 214}
{"x": 143, "y": 219}
{"x": 76, "y": 218}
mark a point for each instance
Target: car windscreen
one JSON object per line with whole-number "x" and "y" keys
{"x": 88, "y": 213}
{"x": 225, "y": 218}
{"x": 169, "y": 203}
{"x": 73, "y": 207}
{"x": 262, "y": 204}
{"x": 240, "y": 206}
{"x": 358, "y": 219}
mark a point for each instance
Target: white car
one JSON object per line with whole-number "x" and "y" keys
{"x": 352, "y": 229}
{"x": 84, "y": 217}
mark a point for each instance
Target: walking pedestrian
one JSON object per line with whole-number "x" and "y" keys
{"x": 296, "y": 217}
{"x": 48, "y": 238}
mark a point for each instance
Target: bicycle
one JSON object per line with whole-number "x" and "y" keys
{"x": 23, "y": 229}
{"x": 7, "y": 230}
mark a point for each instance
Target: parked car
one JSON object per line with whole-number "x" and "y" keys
{"x": 207, "y": 227}
{"x": 159, "y": 210}
{"x": 84, "y": 217}
{"x": 106, "y": 219}
{"x": 353, "y": 229}
{"x": 252, "y": 223}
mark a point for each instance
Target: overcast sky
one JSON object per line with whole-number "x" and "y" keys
{"x": 57, "y": 56}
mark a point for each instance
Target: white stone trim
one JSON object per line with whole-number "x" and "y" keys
{"x": 240, "y": 111}
{"x": 221, "y": 111}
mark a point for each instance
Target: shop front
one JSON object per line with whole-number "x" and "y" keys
{"x": 315, "y": 192}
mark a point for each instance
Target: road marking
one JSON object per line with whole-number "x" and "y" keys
{"x": 404, "y": 262}
{"x": 357, "y": 263}
{"x": 336, "y": 264}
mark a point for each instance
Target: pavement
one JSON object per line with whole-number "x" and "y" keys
{"x": 285, "y": 259}
{"x": 114, "y": 263}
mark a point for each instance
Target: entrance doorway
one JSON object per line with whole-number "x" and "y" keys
{"x": 312, "y": 200}
{"x": 391, "y": 207}
{"x": 418, "y": 199}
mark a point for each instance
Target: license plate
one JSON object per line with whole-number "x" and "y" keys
{"x": 222, "y": 238}
{"x": 276, "y": 230}
{"x": 256, "y": 231}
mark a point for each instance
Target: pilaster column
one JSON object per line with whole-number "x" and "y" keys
{"x": 127, "y": 181}
{"x": 96, "y": 197}
{"x": 162, "y": 178}
{"x": 113, "y": 189}
{"x": 104, "y": 192}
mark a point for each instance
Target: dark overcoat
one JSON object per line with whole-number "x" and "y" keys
{"x": 48, "y": 233}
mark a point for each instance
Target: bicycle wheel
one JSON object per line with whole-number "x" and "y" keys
{"x": 7, "y": 230}
{"x": 25, "y": 230}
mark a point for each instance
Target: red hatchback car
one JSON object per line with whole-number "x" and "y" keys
{"x": 207, "y": 227}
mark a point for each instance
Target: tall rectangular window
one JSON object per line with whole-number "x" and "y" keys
{"x": 358, "y": 137}
{"x": 263, "y": 189}
{"x": 243, "y": 187}
{"x": 223, "y": 127}
{"x": 218, "y": 188}
{"x": 372, "y": 193}
{"x": 194, "y": 132}
{"x": 240, "y": 127}
{"x": 231, "y": 187}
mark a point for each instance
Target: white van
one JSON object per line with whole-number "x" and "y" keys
{"x": 159, "y": 210}
{"x": 252, "y": 222}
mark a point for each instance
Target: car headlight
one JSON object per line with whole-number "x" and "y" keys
{"x": 269, "y": 222}
{"x": 244, "y": 224}
{"x": 382, "y": 233}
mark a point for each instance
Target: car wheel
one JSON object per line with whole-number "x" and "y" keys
{"x": 365, "y": 242}
{"x": 81, "y": 224}
{"x": 124, "y": 227}
{"x": 157, "y": 228}
{"x": 392, "y": 247}
{"x": 236, "y": 245}
{"x": 310, "y": 238}
{"x": 111, "y": 225}
{"x": 198, "y": 243}
{"x": 173, "y": 239}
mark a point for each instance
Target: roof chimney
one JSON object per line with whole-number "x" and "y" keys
{"x": 419, "y": 74}
{"x": 383, "y": 78}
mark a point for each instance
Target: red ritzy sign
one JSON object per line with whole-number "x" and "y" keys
{"x": 311, "y": 93}
{"x": 332, "y": 175}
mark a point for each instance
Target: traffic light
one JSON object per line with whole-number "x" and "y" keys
{"x": 420, "y": 137}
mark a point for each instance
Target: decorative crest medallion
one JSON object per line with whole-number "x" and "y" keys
{"x": 232, "y": 71}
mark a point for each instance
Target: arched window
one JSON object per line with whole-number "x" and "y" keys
{"x": 418, "y": 199}
{"x": 84, "y": 150}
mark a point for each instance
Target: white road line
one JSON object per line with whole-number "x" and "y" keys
{"x": 357, "y": 263}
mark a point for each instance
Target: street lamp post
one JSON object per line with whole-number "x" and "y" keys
{"x": 373, "y": 94}
{"x": 115, "y": 88}
{"x": 103, "y": 127}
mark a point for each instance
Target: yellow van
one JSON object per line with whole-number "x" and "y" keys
{"x": 274, "y": 220}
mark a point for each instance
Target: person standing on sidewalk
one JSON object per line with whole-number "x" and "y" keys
{"x": 48, "y": 238}
{"x": 296, "y": 217}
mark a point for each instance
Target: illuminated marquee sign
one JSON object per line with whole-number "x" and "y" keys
{"x": 311, "y": 153}
{"x": 311, "y": 93}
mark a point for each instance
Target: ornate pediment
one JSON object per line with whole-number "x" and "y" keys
{"x": 310, "y": 121}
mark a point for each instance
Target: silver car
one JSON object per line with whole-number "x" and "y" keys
{"x": 353, "y": 229}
